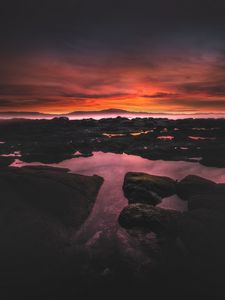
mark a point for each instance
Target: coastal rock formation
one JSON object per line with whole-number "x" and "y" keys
{"x": 202, "y": 232}
{"x": 148, "y": 217}
{"x": 39, "y": 208}
{"x": 55, "y": 140}
{"x": 6, "y": 161}
{"x": 214, "y": 201}
{"x": 145, "y": 188}
{"x": 193, "y": 185}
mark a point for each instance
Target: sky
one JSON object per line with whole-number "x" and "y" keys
{"x": 143, "y": 55}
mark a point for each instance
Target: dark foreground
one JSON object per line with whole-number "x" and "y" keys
{"x": 43, "y": 208}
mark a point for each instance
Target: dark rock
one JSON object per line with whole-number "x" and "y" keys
{"x": 202, "y": 232}
{"x": 214, "y": 201}
{"x": 39, "y": 208}
{"x": 62, "y": 195}
{"x": 214, "y": 158}
{"x": 150, "y": 218}
{"x": 6, "y": 161}
{"x": 193, "y": 185}
{"x": 220, "y": 188}
{"x": 145, "y": 188}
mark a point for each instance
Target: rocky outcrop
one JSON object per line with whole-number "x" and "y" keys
{"x": 145, "y": 188}
{"x": 193, "y": 185}
{"x": 214, "y": 201}
{"x": 6, "y": 161}
{"x": 148, "y": 217}
{"x": 202, "y": 232}
{"x": 39, "y": 208}
{"x": 53, "y": 191}
{"x": 51, "y": 141}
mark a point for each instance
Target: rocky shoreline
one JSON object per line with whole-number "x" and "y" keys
{"x": 43, "y": 207}
{"x": 40, "y": 208}
{"x": 197, "y": 234}
{"x": 52, "y": 141}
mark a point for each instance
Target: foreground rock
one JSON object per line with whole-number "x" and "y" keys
{"x": 38, "y": 207}
{"x": 145, "y": 188}
{"x": 149, "y": 217}
{"x": 202, "y": 231}
{"x": 214, "y": 201}
{"x": 6, "y": 161}
{"x": 193, "y": 185}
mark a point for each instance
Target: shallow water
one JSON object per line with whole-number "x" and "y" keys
{"x": 113, "y": 167}
{"x": 101, "y": 234}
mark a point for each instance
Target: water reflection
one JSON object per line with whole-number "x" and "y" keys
{"x": 101, "y": 230}
{"x": 199, "y": 138}
{"x": 113, "y": 167}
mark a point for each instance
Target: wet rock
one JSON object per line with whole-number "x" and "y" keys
{"x": 220, "y": 188}
{"x": 214, "y": 158}
{"x": 150, "y": 218}
{"x": 39, "y": 208}
{"x": 203, "y": 235}
{"x": 193, "y": 185}
{"x": 48, "y": 152}
{"x": 56, "y": 140}
{"x": 54, "y": 191}
{"x": 202, "y": 231}
{"x": 6, "y": 161}
{"x": 214, "y": 201}
{"x": 145, "y": 188}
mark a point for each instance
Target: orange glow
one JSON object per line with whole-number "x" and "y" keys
{"x": 51, "y": 84}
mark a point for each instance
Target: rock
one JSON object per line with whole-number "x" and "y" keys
{"x": 6, "y": 161}
{"x": 214, "y": 201}
{"x": 220, "y": 188}
{"x": 39, "y": 208}
{"x": 145, "y": 188}
{"x": 65, "y": 196}
{"x": 148, "y": 217}
{"x": 214, "y": 158}
{"x": 193, "y": 185}
{"x": 203, "y": 233}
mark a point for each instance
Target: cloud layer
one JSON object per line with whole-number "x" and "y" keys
{"x": 59, "y": 56}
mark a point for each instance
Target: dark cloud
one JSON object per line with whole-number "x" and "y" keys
{"x": 53, "y": 91}
{"x": 78, "y": 51}
{"x": 94, "y": 96}
{"x": 99, "y": 25}
{"x": 211, "y": 89}
{"x": 194, "y": 104}
{"x": 161, "y": 95}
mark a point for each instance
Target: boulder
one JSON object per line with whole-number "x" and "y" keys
{"x": 193, "y": 185}
{"x": 39, "y": 209}
{"x": 220, "y": 188}
{"x": 214, "y": 158}
{"x": 6, "y": 161}
{"x": 214, "y": 201}
{"x": 62, "y": 195}
{"x": 145, "y": 188}
{"x": 149, "y": 217}
{"x": 203, "y": 233}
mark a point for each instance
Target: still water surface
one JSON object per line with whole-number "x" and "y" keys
{"x": 113, "y": 167}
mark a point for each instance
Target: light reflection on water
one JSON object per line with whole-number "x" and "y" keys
{"x": 113, "y": 167}
{"x": 101, "y": 229}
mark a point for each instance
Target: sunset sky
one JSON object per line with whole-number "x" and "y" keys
{"x": 154, "y": 56}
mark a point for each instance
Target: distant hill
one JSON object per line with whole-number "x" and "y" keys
{"x": 25, "y": 115}
{"x": 106, "y": 113}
